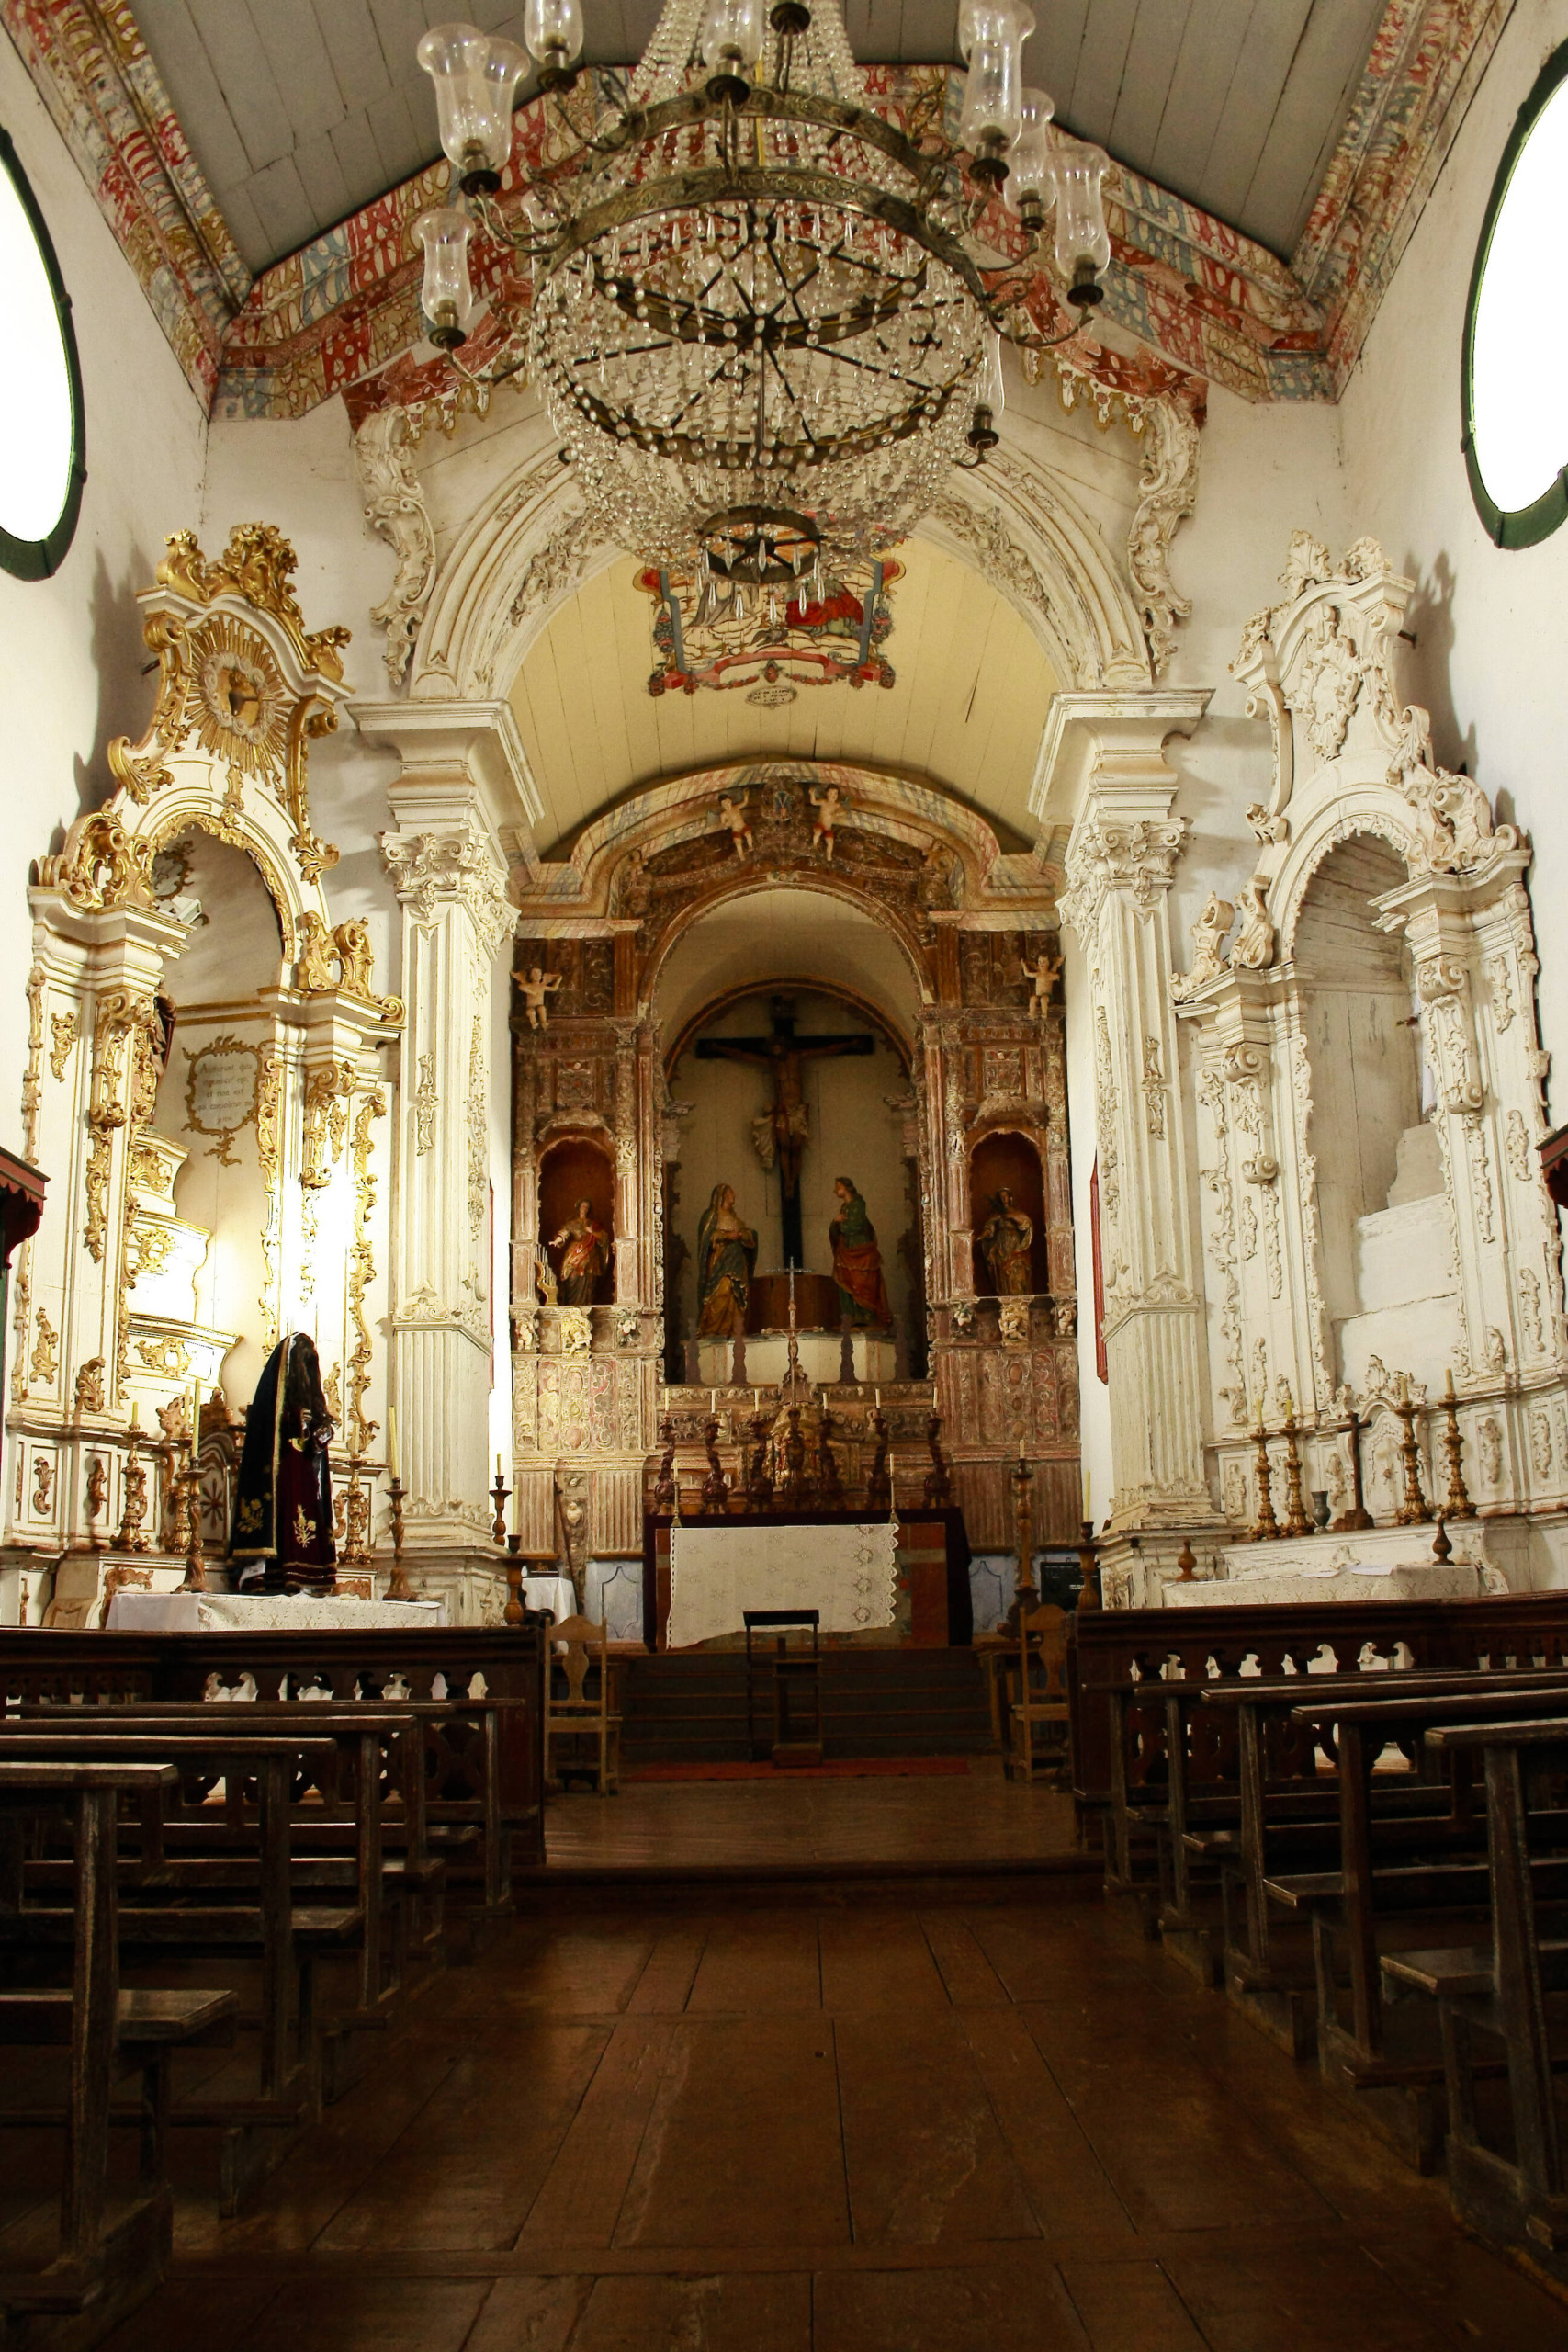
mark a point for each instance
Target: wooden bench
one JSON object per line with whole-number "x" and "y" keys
{"x": 1506, "y": 1990}
{"x": 108, "y": 2264}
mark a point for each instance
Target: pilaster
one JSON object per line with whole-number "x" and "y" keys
{"x": 462, "y": 807}
{"x": 1106, "y": 780}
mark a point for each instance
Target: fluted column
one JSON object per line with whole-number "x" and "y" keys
{"x": 1105, "y": 776}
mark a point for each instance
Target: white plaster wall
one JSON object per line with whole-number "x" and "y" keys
{"x": 71, "y": 649}
{"x": 1488, "y": 662}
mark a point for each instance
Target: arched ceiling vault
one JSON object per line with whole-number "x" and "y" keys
{"x": 967, "y": 707}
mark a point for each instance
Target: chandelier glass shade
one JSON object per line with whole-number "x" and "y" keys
{"x": 756, "y": 320}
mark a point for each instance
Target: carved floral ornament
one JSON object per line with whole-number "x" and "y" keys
{"x": 430, "y": 870}
{"x": 1320, "y": 666}
{"x": 1108, "y": 853}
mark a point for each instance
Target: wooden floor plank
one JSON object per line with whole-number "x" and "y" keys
{"x": 1133, "y": 2307}
{"x": 735, "y": 2314}
{"x": 194, "y": 2315}
{"x": 743, "y": 2147}
{"x": 971, "y": 1983}
{"x": 877, "y": 1960}
{"x": 530, "y": 2315}
{"x": 764, "y": 1965}
{"x": 926, "y": 2160}
{"x": 1067, "y": 2185}
{"x": 981, "y": 2308}
{"x": 370, "y": 2315}
{"x": 467, "y": 2172}
{"x": 580, "y": 2201}
{"x": 665, "y": 1985}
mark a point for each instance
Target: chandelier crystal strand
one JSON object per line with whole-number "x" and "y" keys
{"x": 756, "y": 325}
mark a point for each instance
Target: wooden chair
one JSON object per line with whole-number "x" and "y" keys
{"x": 1041, "y": 1667}
{"x": 578, "y": 1643}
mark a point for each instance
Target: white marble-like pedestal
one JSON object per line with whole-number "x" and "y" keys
{"x": 1384, "y": 1564}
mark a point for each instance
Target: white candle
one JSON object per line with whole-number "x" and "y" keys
{"x": 135, "y": 1414}
{"x": 1088, "y": 1511}
{"x": 195, "y": 1418}
{"x": 879, "y": 1400}
{"x": 713, "y": 1400}
{"x": 392, "y": 1440}
{"x": 498, "y": 1466}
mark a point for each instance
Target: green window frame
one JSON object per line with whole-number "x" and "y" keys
{"x": 1521, "y": 527}
{"x": 36, "y": 558}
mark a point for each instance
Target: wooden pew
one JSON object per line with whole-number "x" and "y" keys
{"x": 1112, "y": 1648}
{"x": 486, "y": 1775}
{"x": 341, "y": 1830}
{"x": 259, "y": 1921}
{"x": 1287, "y": 1819}
{"x": 106, "y": 2263}
{"x": 1502, "y": 1991}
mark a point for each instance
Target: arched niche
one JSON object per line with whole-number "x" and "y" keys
{"x": 578, "y": 1165}
{"x": 1386, "y": 1251}
{"x": 1007, "y": 1160}
{"x": 215, "y": 1077}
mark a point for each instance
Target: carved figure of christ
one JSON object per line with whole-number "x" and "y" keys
{"x": 786, "y": 1123}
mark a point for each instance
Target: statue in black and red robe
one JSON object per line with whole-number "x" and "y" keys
{"x": 283, "y": 1502}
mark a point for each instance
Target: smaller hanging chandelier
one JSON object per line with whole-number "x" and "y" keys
{"x": 760, "y": 320}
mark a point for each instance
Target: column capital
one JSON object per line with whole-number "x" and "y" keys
{"x": 1111, "y": 742}
{"x": 457, "y": 755}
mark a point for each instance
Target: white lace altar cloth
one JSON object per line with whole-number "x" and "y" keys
{"x": 265, "y": 1613}
{"x": 849, "y": 1575}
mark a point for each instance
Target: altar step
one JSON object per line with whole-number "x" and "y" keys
{"x": 874, "y": 1703}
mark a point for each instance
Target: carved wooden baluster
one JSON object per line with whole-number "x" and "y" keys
{"x": 499, "y": 1493}
{"x": 664, "y": 1490}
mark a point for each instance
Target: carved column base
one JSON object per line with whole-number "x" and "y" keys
{"x": 1136, "y": 1563}
{"x": 470, "y": 1578}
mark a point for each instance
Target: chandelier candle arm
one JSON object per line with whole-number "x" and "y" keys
{"x": 756, "y": 319}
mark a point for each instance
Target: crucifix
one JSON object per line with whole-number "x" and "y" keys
{"x": 782, "y": 1130}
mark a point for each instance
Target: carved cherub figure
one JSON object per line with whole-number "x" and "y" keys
{"x": 734, "y": 814}
{"x": 1041, "y": 976}
{"x": 536, "y": 986}
{"x": 826, "y": 803}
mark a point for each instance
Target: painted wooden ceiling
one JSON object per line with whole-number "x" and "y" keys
{"x": 301, "y": 111}
{"x": 966, "y": 710}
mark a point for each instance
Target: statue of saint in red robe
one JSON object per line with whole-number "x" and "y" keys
{"x": 857, "y": 1261}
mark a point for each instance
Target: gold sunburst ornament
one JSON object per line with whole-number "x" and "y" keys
{"x": 242, "y": 703}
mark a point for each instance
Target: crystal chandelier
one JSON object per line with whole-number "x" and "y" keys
{"x": 757, "y": 318}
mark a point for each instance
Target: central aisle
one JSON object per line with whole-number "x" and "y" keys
{"x": 874, "y": 2128}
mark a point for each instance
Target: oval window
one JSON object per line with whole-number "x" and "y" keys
{"x": 1515, "y": 333}
{"x": 42, "y": 448}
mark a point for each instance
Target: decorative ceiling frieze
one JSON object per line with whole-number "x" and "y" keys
{"x": 90, "y": 66}
{"x": 1198, "y": 298}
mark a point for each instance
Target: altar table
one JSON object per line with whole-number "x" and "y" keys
{"x": 933, "y": 1554}
{"x": 247, "y": 1613}
{"x": 846, "y": 1576}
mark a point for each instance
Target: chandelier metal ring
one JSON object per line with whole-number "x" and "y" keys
{"x": 746, "y": 284}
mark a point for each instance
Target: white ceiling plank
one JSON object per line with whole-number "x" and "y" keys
{"x": 258, "y": 106}
{"x": 170, "y": 30}
{"x": 327, "y": 190}
{"x": 1051, "y": 53}
{"x": 1311, "y": 115}
{"x": 255, "y": 246}
{"x": 349, "y": 28}
{"x": 1263, "y": 68}
{"x": 929, "y": 31}
{"x": 290, "y": 35}
{"x": 1152, "y": 53}
{"x": 358, "y": 157}
{"x": 1199, "y": 87}
{"x": 405, "y": 142}
{"x": 279, "y": 197}
{"x": 1102, "y": 66}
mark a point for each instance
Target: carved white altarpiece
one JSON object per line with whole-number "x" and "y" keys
{"x": 1368, "y": 1091}
{"x": 104, "y": 1295}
